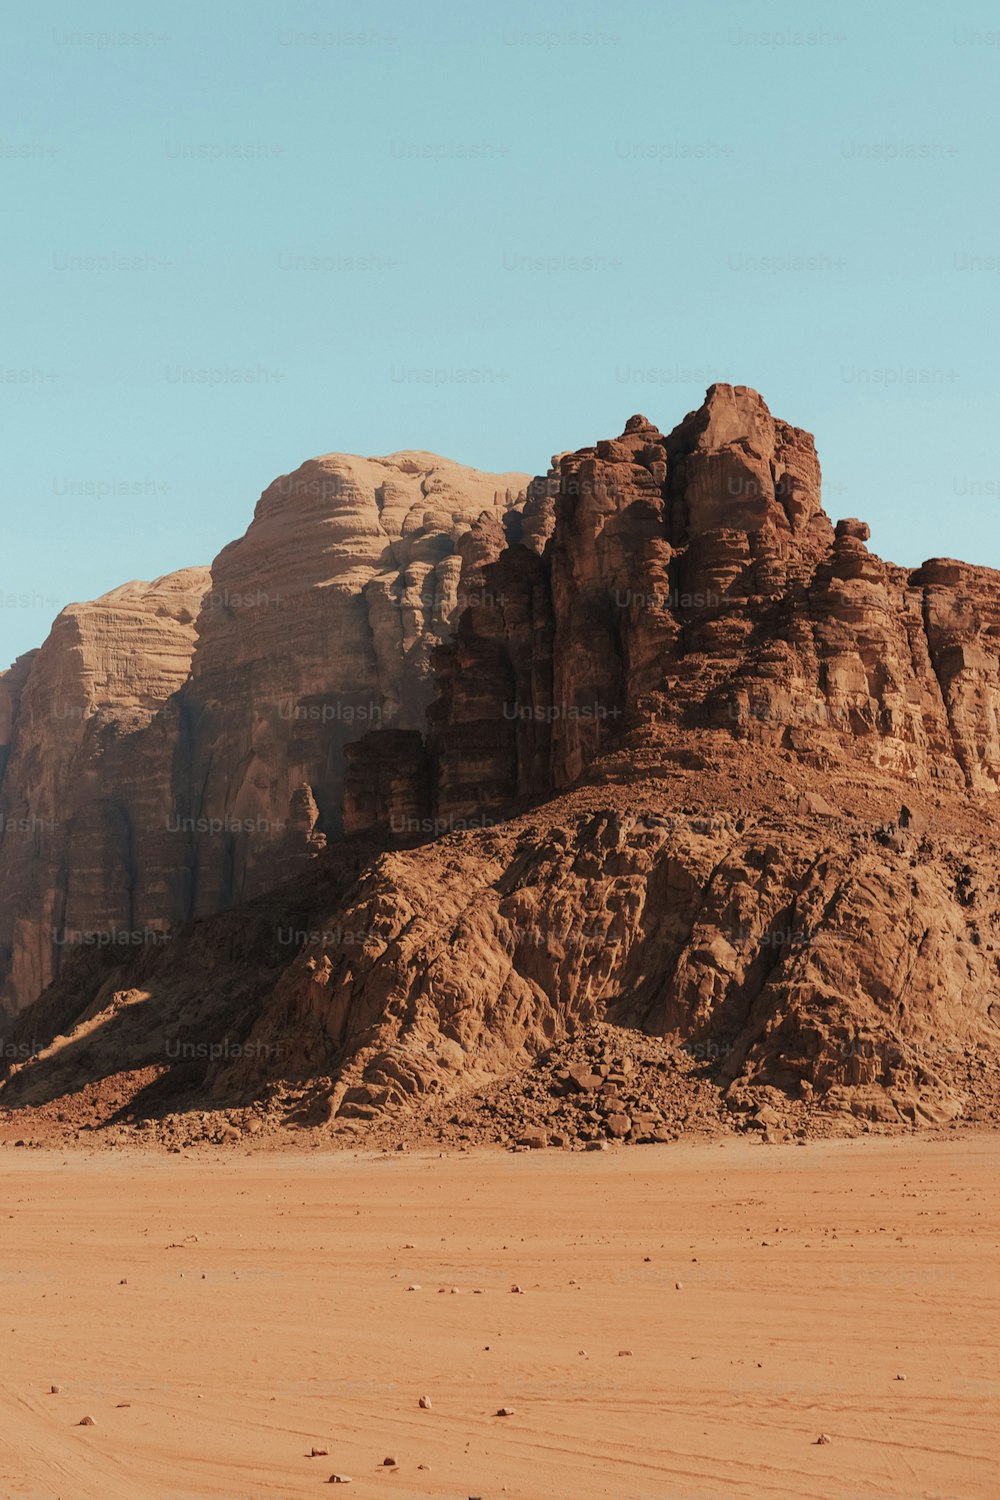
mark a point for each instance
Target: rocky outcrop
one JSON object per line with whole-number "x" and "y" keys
{"x": 694, "y": 581}
{"x": 698, "y": 764}
{"x": 647, "y": 570}
{"x": 836, "y": 963}
{"x": 87, "y": 795}
{"x": 178, "y": 746}
{"x": 319, "y": 627}
{"x": 846, "y": 963}
{"x": 490, "y": 728}
{"x": 690, "y": 588}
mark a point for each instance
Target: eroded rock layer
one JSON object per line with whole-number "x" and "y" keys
{"x": 694, "y": 580}
{"x": 87, "y": 791}
{"x": 319, "y": 628}
{"x": 178, "y": 746}
{"x": 698, "y": 765}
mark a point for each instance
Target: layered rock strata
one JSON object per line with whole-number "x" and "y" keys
{"x": 773, "y": 848}
{"x": 179, "y": 746}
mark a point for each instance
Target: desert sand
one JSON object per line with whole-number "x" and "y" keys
{"x": 691, "y": 1318}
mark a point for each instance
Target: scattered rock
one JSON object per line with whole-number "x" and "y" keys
{"x": 583, "y": 1078}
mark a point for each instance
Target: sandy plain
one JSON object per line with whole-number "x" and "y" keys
{"x": 691, "y": 1318}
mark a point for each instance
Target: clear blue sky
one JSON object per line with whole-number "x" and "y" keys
{"x": 814, "y": 216}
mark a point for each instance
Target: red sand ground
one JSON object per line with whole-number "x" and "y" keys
{"x": 220, "y": 1314}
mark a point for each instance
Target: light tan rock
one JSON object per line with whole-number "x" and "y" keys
{"x": 86, "y": 794}
{"x": 178, "y": 746}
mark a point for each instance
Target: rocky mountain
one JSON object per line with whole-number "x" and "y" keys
{"x": 175, "y": 747}
{"x": 698, "y": 764}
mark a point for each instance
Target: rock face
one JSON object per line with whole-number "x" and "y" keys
{"x": 698, "y": 764}
{"x": 178, "y": 746}
{"x": 87, "y": 789}
{"x": 694, "y": 581}
{"x": 319, "y": 626}
{"x": 846, "y": 961}
{"x": 11, "y": 687}
{"x": 691, "y": 588}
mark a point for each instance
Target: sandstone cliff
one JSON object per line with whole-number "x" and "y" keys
{"x": 698, "y": 763}
{"x": 178, "y": 746}
{"x": 695, "y": 581}
{"x": 87, "y": 788}
{"x": 319, "y": 626}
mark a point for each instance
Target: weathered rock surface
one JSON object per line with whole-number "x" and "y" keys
{"x": 319, "y": 627}
{"x": 698, "y": 765}
{"x": 840, "y": 973}
{"x": 87, "y": 787}
{"x": 853, "y": 963}
{"x": 694, "y": 581}
{"x": 790, "y": 633}
{"x": 178, "y": 746}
